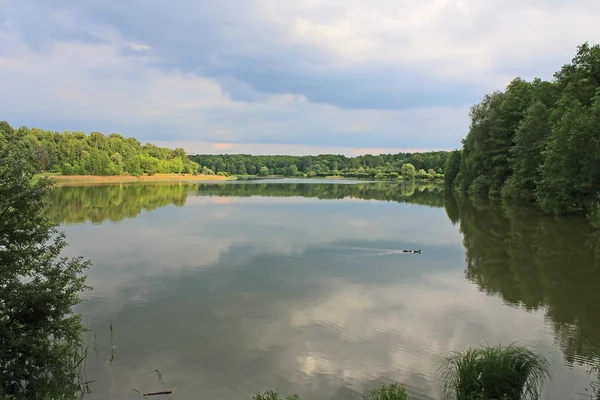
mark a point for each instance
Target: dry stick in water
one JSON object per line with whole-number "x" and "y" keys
{"x": 153, "y": 393}
{"x": 158, "y": 393}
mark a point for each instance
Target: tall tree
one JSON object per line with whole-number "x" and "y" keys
{"x": 39, "y": 333}
{"x": 526, "y": 156}
{"x": 452, "y": 167}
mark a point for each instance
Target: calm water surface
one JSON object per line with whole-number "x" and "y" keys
{"x": 228, "y": 289}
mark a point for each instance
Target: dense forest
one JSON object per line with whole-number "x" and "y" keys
{"x": 75, "y": 153}
{"x": 428, "y": 165}
{"x": 538, "y": 141}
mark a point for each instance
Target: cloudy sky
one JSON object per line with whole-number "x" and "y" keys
{"x": 274, "y": 76}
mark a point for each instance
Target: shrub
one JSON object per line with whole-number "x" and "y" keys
{"x": 495, "y": 372}
{"x": 273, "y": 394}
{"x": 392, "y": 391}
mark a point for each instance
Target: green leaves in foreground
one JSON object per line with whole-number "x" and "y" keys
{"x": 273, "y": 394}
{"x": 494, "y": 373}
{"x": 392, "y": 391}
{"x": 40, "y": 336}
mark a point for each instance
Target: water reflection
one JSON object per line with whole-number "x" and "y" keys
{"x": 537, "y": 262}
{"x": 252, "y": 286}
{"x": 77, "y": 204}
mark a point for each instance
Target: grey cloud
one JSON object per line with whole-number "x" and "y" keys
{"x": 232, "y": 43}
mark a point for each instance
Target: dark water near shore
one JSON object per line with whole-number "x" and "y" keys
{"x": 231, "y": 288}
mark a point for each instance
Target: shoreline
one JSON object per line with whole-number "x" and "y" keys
{"x": 93, "y": 179}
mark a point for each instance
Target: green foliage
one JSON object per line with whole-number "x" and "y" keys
{"x": 422, "y": 174}
{"x": 452, "y": 167}
{"x": 494, "y": 372}
{"x": 594, "y": 214}
{"x": 74, "y": 153}
{"x": 538, "y": 141}
{"x": 393, "y": 391}
{"x": 273, "y": 394}
{"x": 530, "y": 141}
{"x": 292, "y": 170}
{"x": 408, "y": 171}
{"x": 366, "y": 167}
{"x": 40, "y": 337}
{"x": 263, "y": 171}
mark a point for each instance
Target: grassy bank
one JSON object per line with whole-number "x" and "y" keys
{"x": 72, "y": 179}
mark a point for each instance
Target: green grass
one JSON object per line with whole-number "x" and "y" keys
{"x": 494, "y": 373}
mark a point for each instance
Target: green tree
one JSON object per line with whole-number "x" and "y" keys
{"x": 293, "y": 170}
{"x": 571, "y": 169}
{"x": 422, "y": 174}
{"x": 39, "y": 334}
{"x": 530, "y": 141}
{"x": 264, "y": 171}
{"x": 408, "y": 171}
{"x": 452, "y": 167}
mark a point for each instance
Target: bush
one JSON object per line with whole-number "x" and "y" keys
{"x": 392, "y": 391}
{"x": 495, "y": 372}
{"x": 273, "y": 394}
{"x": 422, "y": 174}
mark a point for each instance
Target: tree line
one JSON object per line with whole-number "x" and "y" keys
{"x": 428, "y": 165}
{"x": 75, "y": 153}
{"x": 538, "y": 141}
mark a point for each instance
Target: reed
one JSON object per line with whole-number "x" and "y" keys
{"x": 494, "y": 372}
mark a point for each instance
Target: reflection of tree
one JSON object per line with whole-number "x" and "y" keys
{"x": 409, "y": 192}
{"x": 75, "y": 204}
{"x": 536, "y": 261}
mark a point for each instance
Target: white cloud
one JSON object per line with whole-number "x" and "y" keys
{"x": 464, "y": 39}
{"x": 79, "y": 82}
{"x": 389, "y": 74}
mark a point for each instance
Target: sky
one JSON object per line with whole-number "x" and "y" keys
{"x": 277, "y": 77}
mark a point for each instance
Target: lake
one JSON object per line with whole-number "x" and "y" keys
{"x": 232, "y": 288}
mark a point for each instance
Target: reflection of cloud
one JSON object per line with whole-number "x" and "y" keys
{"x": 288, "y": 293}
{"x": 401, "y": 330}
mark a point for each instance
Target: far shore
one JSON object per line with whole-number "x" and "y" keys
{"x": 79, "y": 179}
